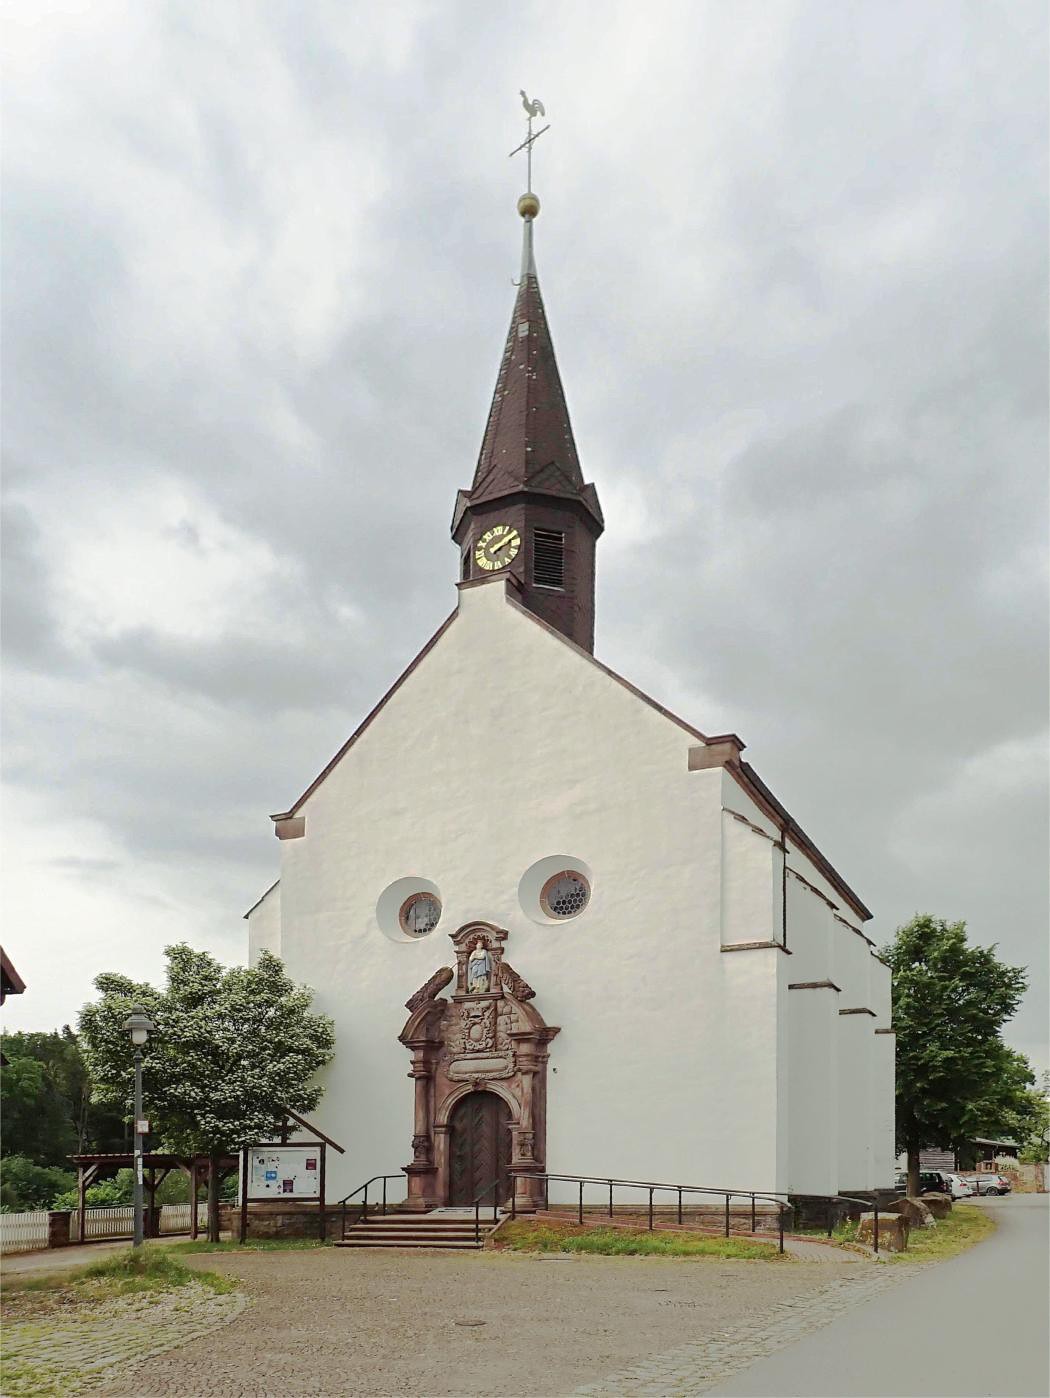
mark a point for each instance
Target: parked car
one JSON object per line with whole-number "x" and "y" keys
{"x": 930, "y": 1181}
{"x": 959, "y": 1188}
{"x": 990, "y": 1184}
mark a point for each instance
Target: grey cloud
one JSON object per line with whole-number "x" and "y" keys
{"x": 796, "y": 271}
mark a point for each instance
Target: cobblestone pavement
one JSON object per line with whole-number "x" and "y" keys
{"x": 695, "y": 1367}
{"x": 355, "y": 1322}
{"x": 78, "y": 1350}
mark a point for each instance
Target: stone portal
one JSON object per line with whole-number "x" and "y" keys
{"x": 479, "y": 1061}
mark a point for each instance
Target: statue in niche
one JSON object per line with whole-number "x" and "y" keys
{"x": 479, "y": 969}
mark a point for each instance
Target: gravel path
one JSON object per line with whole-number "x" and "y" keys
{"x": 349, "y": 1322}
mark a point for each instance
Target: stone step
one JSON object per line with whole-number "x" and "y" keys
{"x": 416, "y": 1231}
{"x": 445, "y": 1231}
{"x": 351, "y": 1242}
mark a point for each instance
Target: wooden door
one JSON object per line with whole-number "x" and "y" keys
{"x": 479, "y": 1149}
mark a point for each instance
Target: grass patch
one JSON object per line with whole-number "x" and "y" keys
{"x": 626, "y": 1242}
{"x": 252, "y": 1245}
{"x": 963, "y": 1227}
{"x": 121, "y": 1274}
{"x": 844, "y": 1232}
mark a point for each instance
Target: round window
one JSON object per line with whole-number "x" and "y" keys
{"x": 565, "y": 894}
{"x": 419, "y": 914}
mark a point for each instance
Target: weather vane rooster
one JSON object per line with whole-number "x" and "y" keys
{"x": 533, "y": 109}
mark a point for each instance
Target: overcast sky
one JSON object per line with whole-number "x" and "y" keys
{"x": 259, "y": 262}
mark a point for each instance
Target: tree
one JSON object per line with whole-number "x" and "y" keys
{"x": 230, "y": 1049}
{"x": 1032, "y": 1130}
{"x": 58, "y": 1116}
{"x": 955, "y": 1076}
{"x": 36, "y": 1125}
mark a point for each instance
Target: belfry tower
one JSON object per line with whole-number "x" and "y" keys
{"x": 529, "y": 511}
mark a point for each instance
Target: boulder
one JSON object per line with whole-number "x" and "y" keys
{"x": 916, "y": 1211}
{"x": 893, "y": 1232}
{"x": 938, "y": 1204}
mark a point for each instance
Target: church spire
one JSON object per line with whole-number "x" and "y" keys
{"x": 528, "y": 477}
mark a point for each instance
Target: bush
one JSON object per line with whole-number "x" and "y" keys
{"x": 25, "y": 1186}
{"x": 174, "y": 1189}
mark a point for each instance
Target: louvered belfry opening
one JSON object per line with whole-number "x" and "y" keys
{"x": 548, "y": 557}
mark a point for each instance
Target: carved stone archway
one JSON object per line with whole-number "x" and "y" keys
{"x": 489, "y": 1036}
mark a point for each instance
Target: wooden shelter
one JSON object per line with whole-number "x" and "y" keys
{"x": 156, "y": 1167}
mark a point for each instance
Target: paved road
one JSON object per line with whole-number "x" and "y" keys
{"x": 973, "y": 1327}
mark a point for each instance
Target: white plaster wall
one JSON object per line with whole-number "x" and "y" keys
{"x": 883, "y": 1108}
{"x": 502, "y": 747}
{"x": 840, "y": 1074}
{"x": 264, "y": 925}
{"x": 750, "y": 895}
{"x": 813, "y": 1017}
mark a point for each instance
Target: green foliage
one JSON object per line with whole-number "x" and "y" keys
{"x": 955, "y": 1076}
{"x": 120, "y": 1189}
{"x": 1033, "y": 1130}
{"x": 25, "y": 1186}
{"x": 627, "y": 1242}
{"x": 49, "y": 1112}
{"x": 231, "y": 1047}
{"x": 36, "y": 1125}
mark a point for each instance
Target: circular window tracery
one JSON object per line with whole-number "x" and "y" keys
{"x": 565, "y": 894}
{"x": 420, "y": 914}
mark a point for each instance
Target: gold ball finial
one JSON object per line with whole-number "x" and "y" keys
{"x": 528, "y": 205}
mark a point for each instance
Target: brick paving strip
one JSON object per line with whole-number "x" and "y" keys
{"x": 696, "y": 1367}
{"x": 79, "y": 1350}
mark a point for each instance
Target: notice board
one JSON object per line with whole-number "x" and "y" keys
{"x": 289, "y": 1172}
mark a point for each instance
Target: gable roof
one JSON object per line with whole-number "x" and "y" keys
{"x": 741, "y": 772}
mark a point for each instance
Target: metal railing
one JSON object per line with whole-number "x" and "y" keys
{"x": 495, "y": 1206}
{"x": 380, "y": 1208}
{"x": 837, "y": 1204}
{"x": 652, "y": 1187}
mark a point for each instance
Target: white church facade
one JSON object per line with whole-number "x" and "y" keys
{"x": 557, "y": 927}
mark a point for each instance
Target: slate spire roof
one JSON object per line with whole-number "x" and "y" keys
{"x": 528, "y": 442}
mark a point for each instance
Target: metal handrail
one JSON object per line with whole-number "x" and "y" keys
{"x": 364, "y": 1203}
{"x": 782, "y": 1205}
{"x": 652, "y": 1186}
{"x": 495, "y": 1208}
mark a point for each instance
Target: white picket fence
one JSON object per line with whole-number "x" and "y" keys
{"x": 119, "y": 1221}
{"x": 27, "y": 1232}
{"x": 116, "y": 1221}
{"x": 23, "y": 1232}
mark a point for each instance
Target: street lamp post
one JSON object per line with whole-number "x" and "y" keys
{"x": 138, "y": 1025}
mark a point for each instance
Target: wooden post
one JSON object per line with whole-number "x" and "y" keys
{"x": 193, "y": 1200}
{"x": 151, "y": 1211}
{"x": 81, "y": 1203}
{"x": 323, "y": 1221}
{"x": 244, "y": 1194}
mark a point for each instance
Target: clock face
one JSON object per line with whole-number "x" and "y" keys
{"x": 497, "y": 547}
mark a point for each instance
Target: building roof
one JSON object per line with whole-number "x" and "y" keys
{"x": 528, "y": 443}
{"x": 11, "y": 983}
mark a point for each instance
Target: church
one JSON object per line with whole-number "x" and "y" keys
{"x": 558, "y": 927}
